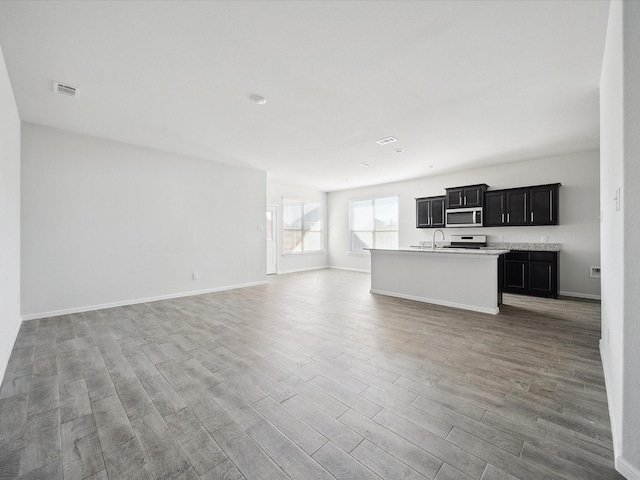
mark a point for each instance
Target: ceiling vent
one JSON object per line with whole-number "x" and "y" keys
{"x": 384, "y": 141}
{"x": 64, "y": 89}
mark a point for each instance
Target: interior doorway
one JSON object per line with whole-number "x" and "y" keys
{"x": 272, "y": 242}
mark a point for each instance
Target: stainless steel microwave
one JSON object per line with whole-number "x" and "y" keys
{"x": 464, "y": 217}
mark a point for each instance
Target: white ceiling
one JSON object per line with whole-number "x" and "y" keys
{"x": 458, "y": 83}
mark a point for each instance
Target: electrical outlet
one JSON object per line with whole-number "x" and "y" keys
{"x": 544, "y": 238}
{"x": 594, "y": 272}
{"x": 194, "y": 275}
{"x": 501, "y": 238}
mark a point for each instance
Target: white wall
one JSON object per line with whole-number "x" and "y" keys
{"x": 109, "y": 223}
{"x": 612, "y": 231}
{"x": 578, "y": 231}
{"x": 631, "y": 397}
{"x": 296, "y": 261}
{"x": 9, "y": 218}
{"x": 620, "y": 171}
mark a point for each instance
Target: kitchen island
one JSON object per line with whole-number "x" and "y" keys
{"x": 460, "y": 278}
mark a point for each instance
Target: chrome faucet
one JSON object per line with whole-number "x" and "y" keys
{"x": 433, "y": 238}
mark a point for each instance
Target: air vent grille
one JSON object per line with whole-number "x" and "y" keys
{"x": 384, "y": 141}
{"x": 64, "y": 89}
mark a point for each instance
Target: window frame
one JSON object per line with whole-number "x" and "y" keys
{"x": 286, "y": 201}
{"x": 373, "y": 232}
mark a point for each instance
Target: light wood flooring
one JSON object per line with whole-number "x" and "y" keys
{"x": 308, "y": 377}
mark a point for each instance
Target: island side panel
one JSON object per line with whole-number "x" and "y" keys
{"x": 456, "y": 280}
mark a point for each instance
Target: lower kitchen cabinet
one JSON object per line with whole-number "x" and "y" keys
{"x": 531, "y": 273}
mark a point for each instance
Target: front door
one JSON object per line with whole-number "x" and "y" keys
{"x": 272, "y": 255}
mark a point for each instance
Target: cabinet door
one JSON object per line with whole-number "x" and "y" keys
{"x": 517, "y": 201}
{"x": 437, "y": 212}
{"x": 544, "y": 205}
{"x": 542, "y": 279}
{"x": 423, "y": 213}
{"x": 472, "y": 197}
{"x": 455, "y": 198}
{"x": 494, "y": 212}
{"x": 516, "y": 276}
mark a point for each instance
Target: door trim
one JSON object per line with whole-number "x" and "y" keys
{"x": 275, "y": 235}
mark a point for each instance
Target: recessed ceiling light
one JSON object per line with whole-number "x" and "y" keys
{"x": 258, "y": 100}
{"x": 366, "y": 164}
{"x": 432, "y": 166}
{"x": 384, "y": 141}
{"x": 398, "y": 150}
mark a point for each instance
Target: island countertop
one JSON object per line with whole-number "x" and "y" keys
{"x": 447, "y": 251}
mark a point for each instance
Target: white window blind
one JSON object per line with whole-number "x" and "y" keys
{"x": 303, "y": 226}
{"x": 373, "y": 223}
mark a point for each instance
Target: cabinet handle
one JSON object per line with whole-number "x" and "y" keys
{"x": 507, "y": 218}
{"x": 503, "y": 218}
{"x": 551, "y": 205}
{"x": 531, "y": 217}
{"x": 465, "y": 200}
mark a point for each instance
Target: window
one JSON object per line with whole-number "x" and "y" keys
{"x": 302, "y": 226}
{"x": 373, "y": 223}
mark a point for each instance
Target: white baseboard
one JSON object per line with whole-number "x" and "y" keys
{"x": 608, "y": 389}
{"x": 361, "y": 270}
{"x": 89, "y": 308}
{"x": 437, "y": 302}
{"x": 628, "y": 471}
{"x": 284, "y": 272}
{"x": 622, "y": 465}
{"x": 580, "y": 295}
{"x": 13, "y": 336}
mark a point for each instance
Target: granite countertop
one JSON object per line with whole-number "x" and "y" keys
{"x": 449, "y": 251}
{"x": 535, "y": 247}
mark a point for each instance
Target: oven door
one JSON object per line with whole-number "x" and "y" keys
{"x": 464, "y": 217}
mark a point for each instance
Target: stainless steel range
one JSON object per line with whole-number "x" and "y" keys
{"x": 468, "y": 241}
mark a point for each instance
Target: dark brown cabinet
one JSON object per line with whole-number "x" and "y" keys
{"x": 469, "y": 196}
{"x": 517, "y": 206}
{"x": 494, "y": 208}
{"x": 522, "y": 206}
{"x": 531, "y": 273}
{"x": 544, "y": 205}
{"x": 430, "y": 212}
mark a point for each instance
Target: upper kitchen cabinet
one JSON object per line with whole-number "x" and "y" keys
{"x": 468, "y": 196}
{"x": 544, "y": 204}
{"x": 494, "y": 208}
{"x": 430, "y": 212}
{"x": 522, "y": 206}
{"x": 517, "y": 204}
